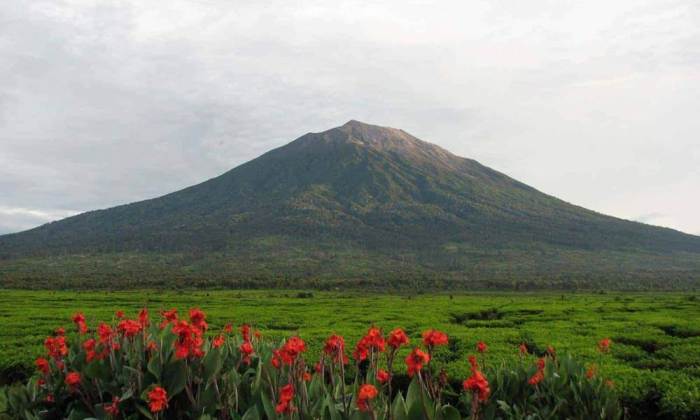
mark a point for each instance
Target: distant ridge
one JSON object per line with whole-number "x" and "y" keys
{"x": 356, "y": 205}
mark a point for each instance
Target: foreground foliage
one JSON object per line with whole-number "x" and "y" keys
{"x": 176, "y": 367}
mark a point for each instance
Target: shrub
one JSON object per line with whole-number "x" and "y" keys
{"x": 177, "y": 368}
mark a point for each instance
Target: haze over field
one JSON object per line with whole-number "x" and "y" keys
{"x": 593, "y": 102}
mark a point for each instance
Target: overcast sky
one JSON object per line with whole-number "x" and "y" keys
{"x": 104, "y": 103}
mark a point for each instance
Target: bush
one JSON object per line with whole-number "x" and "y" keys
{"x": 176, "y": 368}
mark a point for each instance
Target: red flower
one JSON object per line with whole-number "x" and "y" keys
{"x": 335, "y": 349}
{"x": 60, "y": 331}
{"x": 119, "y": 314}
{"x": 169, "y": 317}
{"x": 143, "y": 318}
{"x": 128, "y": 328}
{"x": 551, "y": 352}
{"x": 72, "y": 379}
{"x": 481, "y": 347}
{"x": 105, "y": 333}
{"x": 276, "y": 359}
{"x": 228, "y": 328}
{"x": 291, "y": 350}
{"x": 151, "y": 346}
{"x": 198, "y": 319}
{"x": 246, "y": 350}
{"x": 79, "y": 320}
{"x": 477, "y": 383}
{"x": 397, "y": 338}
{"x": 189, "y": 340}
{"x": 42, "y": 365}
{"x": 604, "y": 345}
{"x": 536, "y": 378}
{"x": 56, "y": 347}
{"x": 89, "y": 346}
{"x": 113, "y": 408}
{"x": 306, "y": 377}
{"x": 285, "y": 401}
{"x": 539, "y": 375}
{"x": 257, "y": 334}
{"x": 591, "y": 372}
{"x": 245, "y": 332}
{"x": 432, "y": 338}
{"x": 366, "y": 393}
{"x": 372, "y": 341}
{"x": 415, "y": 361}
{"x": 382, "y": 376}
{"x": 523, "y": 349}
{"x": 157, "y": 399}
{"x": 218, "y": 341}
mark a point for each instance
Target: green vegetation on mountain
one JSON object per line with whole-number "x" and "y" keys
{"x": 355, "y": 205}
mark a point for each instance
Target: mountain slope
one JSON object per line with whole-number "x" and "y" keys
{"x": 358, "y": 196}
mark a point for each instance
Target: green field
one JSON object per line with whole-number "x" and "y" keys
{"x": 655, "y": 360}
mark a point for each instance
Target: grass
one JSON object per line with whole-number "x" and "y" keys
{"x": 655, "y": 361}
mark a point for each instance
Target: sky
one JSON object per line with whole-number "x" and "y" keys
{"x": 110, "y": 102}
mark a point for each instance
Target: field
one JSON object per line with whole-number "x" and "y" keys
{"x": 654, "y": 363}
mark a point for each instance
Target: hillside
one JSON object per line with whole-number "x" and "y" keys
{"x": 354, "y": 205}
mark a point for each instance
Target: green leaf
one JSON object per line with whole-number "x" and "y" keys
{"x": 450, "y": 413}
{"x": 251, "y": 414}
{"x": 175, "y": 377}
{"x": 212, "y": 364}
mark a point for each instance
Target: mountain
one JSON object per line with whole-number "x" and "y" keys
{"x": 357, "y": 205}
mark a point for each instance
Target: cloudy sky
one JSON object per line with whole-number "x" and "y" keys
{"x": 103, "y": 103}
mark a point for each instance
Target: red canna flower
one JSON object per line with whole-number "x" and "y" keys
{"x": 218, "y": 341}
{"x": 119, "y": 314}
{"x": 366, "y": 393}
{"x": 42, "y": 365}
{"x": 245, "y": 332}
{"x": 335, "y": 349}
{"x": 246, "y": 349}
{"x": 56, "y": 347}
{"x": 60, "y": 331}
{"x": 285, "y": 401}
{"x": 306, "y": 377}
{"x": 591, "y": 371}
{"x": 105, "y": 333}
{"x": 397, "y": 338}
{"x": 291, "y": 349}
{"x": 477, "y": 383}
{"x": 157, "y": 399}
{"x": 169, "y": 317}
{"x": 523, "y": 349}
{"x": 129, "y": 328}
{"x": 89, "y": 346}
{"x": 228, "y": 328}
{"x": 72, "y": 379}
{"x": 541, "y": 362}
{"x": 113, "y": 408}
{"x": 415, "y": 361}
{"x": 198, "y": 319}
{"x": 383, "y": 376}
{"x": 432, "y": 338}
{"x": 257, "y": 334}
{"x": 536, "y": 378}
{"x": 604, "y": 345}
{"x": 481, "y": 347}
{"x": 372, "y": 341}
{"x": 143, "y": 318}
{"x": 79, "y": 320}
{"x": 151, "y": 346}
{"x": 276, "y": 359}
{"x": 189, "y": 340}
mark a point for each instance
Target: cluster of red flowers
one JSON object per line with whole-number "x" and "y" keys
{"x": 285, "y": 401}
{"x": 539, "y": 374}
{"x": 371, "y": 342}
{"x": 157, "y": 399}
{"x": 433, "y": 338}
{"x": 477, "y": 383}
{"x": 366, "y": 394}
{"x": 415, "y": 361}
{"x": 79, "y": 320}
{"x": 289, "y": 352}
{"x": 604, "y": 345}
{"x": 334, "y": 348}
{"x": 397, "y": 338}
